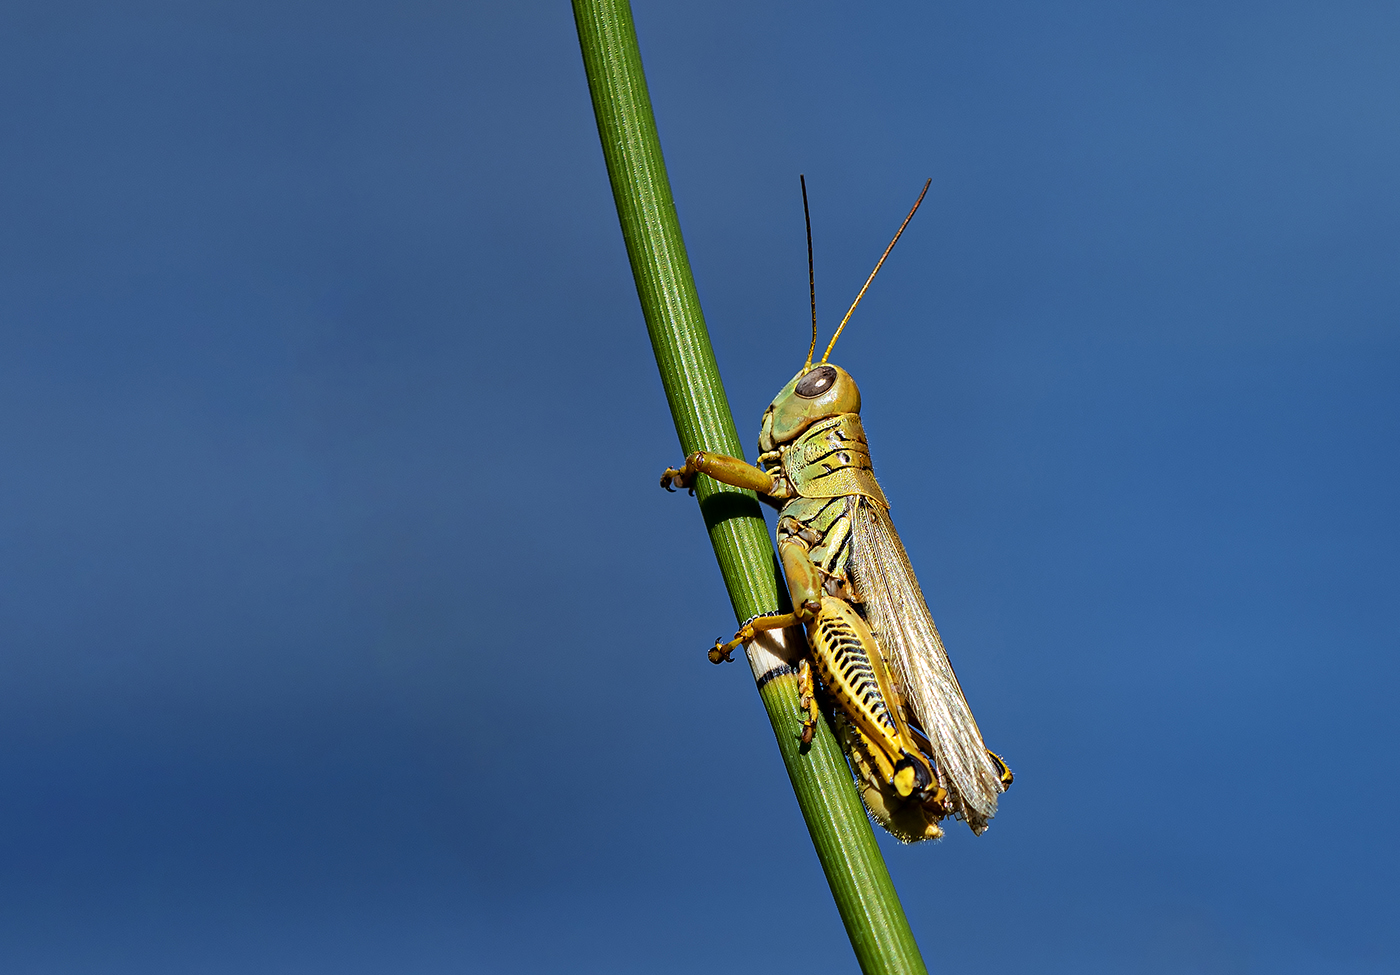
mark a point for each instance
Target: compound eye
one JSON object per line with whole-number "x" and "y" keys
{"x": 816, "y": 382}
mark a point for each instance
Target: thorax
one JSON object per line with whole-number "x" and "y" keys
{"x": 830, "y": 460}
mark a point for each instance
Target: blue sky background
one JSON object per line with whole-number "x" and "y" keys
{"x": 343, "y": 627}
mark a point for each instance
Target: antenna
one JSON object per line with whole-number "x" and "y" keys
{"x": 811, "y": 274}
{"x": 874, "y": 272}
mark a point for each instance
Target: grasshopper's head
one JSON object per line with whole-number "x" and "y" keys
{"x": 815, "y": 393}
{"x": 822, "y": 390}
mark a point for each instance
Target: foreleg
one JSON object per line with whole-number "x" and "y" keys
{"x": 726, "y": 470}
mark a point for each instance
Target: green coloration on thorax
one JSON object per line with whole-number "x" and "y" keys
{"x": 812, "y": 437}
{"x": 832, "y": 460}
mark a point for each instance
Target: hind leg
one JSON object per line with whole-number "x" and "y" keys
{"x": 807, "y": 700}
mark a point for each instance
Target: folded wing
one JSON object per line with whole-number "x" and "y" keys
{"x": 894, "y": 606}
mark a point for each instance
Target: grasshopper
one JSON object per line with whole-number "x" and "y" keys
{"x": 875, "y": 658}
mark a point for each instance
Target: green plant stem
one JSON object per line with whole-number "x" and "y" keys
{"x": 840, "y": 831}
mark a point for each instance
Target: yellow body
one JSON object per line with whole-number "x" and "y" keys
{"x": 842, "y": 559}
{"x": 914, "y": 748}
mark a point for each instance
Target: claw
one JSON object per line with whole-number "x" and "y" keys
{"x": 674, "y": 478}
{"x": 719, "y": 655}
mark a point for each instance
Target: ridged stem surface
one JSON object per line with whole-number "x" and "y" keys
{"x": 845, "y": 844}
